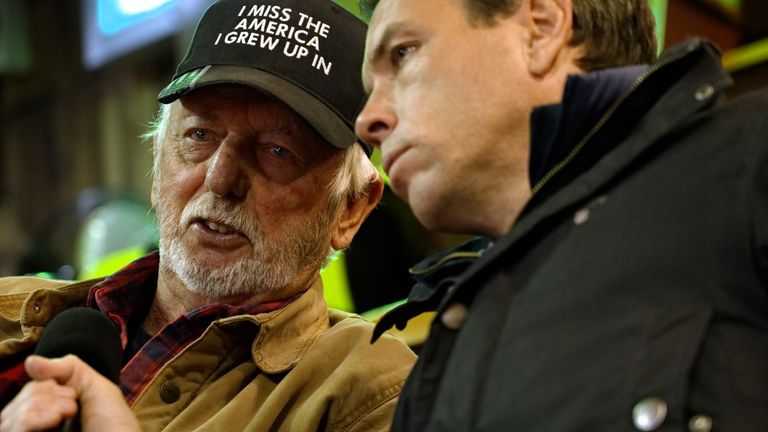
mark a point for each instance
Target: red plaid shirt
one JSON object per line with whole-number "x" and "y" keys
{"x": 12, "y": 376}
{"x": 126, "y": 297}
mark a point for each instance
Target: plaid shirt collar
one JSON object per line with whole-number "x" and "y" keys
{"x": 126, "y": 298}
{"x": 127, "y": 295}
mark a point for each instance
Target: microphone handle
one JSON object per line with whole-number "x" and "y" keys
{"x": 71, "y": 424}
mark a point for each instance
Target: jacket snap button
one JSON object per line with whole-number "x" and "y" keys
{"x": 37, "y": 308}
{"x": 453, "y": 316}
{"x": 649, "y": 414}
{"x": 704, "y": 92}
{"x": 169, "y": 392}
{"x": 581, "y": 217}
{"x": 700, "y": 423}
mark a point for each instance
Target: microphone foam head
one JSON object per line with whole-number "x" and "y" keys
{"x": 86, "y": 333}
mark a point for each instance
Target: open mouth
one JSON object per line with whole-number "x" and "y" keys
{"x": 218, "y": 227}
{"x": 213, "y": 229}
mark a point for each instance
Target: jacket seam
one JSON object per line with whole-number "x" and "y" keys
{"x": 364, "y": 410}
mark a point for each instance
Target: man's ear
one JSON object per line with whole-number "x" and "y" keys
{"x": 354, "y": 213}
{"x": 551, "y": 30}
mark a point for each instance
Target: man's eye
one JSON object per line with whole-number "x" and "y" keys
{"x": 201, "y": 135}
{"x": 279, "y": 152}
{"x": 400, "y": 53}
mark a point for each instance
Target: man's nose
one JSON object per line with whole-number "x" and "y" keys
{"x": 226, "y": 175}
{"x": 377, "y": 120}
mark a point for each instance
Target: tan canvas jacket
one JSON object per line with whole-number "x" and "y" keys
{"x": 300, "y": 368}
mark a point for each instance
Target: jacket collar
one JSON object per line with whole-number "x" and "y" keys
{"x": 435, "y": 276}
{"x": 27, "y": 304}
{"x": 35, "y": 301}
{"x": 557, "y": 128}
{"x": 283, "y": 336}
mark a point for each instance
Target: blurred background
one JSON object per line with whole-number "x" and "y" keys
{"x": 78, "y": 86}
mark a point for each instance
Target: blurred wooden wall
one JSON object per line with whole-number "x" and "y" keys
{"x": 65, "y": 129}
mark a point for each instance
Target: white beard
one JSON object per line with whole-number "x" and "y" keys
{"x": 274, "y": 264}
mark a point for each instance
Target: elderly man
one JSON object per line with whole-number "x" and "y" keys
{"x": 622, "y": 284}
{"x": 257, "y": 176}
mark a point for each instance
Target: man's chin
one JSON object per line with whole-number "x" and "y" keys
{"x": 216, "y": 282}
{"x": 218, "y": 259}
{"x": 241, "y": 278}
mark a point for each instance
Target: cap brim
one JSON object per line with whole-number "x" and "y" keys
{"x": 325, "y": 120}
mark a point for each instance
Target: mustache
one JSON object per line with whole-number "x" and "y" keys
{"x": 213, "y": 208}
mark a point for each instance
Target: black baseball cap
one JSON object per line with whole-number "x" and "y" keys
{"x": 306, "y": 53}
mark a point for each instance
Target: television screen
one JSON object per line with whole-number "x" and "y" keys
{"x": 112, "y": 28}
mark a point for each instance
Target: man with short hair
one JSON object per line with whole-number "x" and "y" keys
{"x": 621, "y": 280}
{"x": 257, "y": 178}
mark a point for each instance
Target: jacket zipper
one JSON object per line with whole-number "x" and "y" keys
{"x": 443, "y": 260}
{"x": 608, "y": 114}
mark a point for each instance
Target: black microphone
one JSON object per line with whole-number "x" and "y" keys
{"x": 88, "y": 334}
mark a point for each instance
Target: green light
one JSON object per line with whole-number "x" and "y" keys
{"x": 731, "y": 6}
{"x": 350, "y": 5}
{"x": 746, "y": 55}
{"x": 659, "y": 8}
{"x": 336, "y": 290}
{"x": 376, "y": 159}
